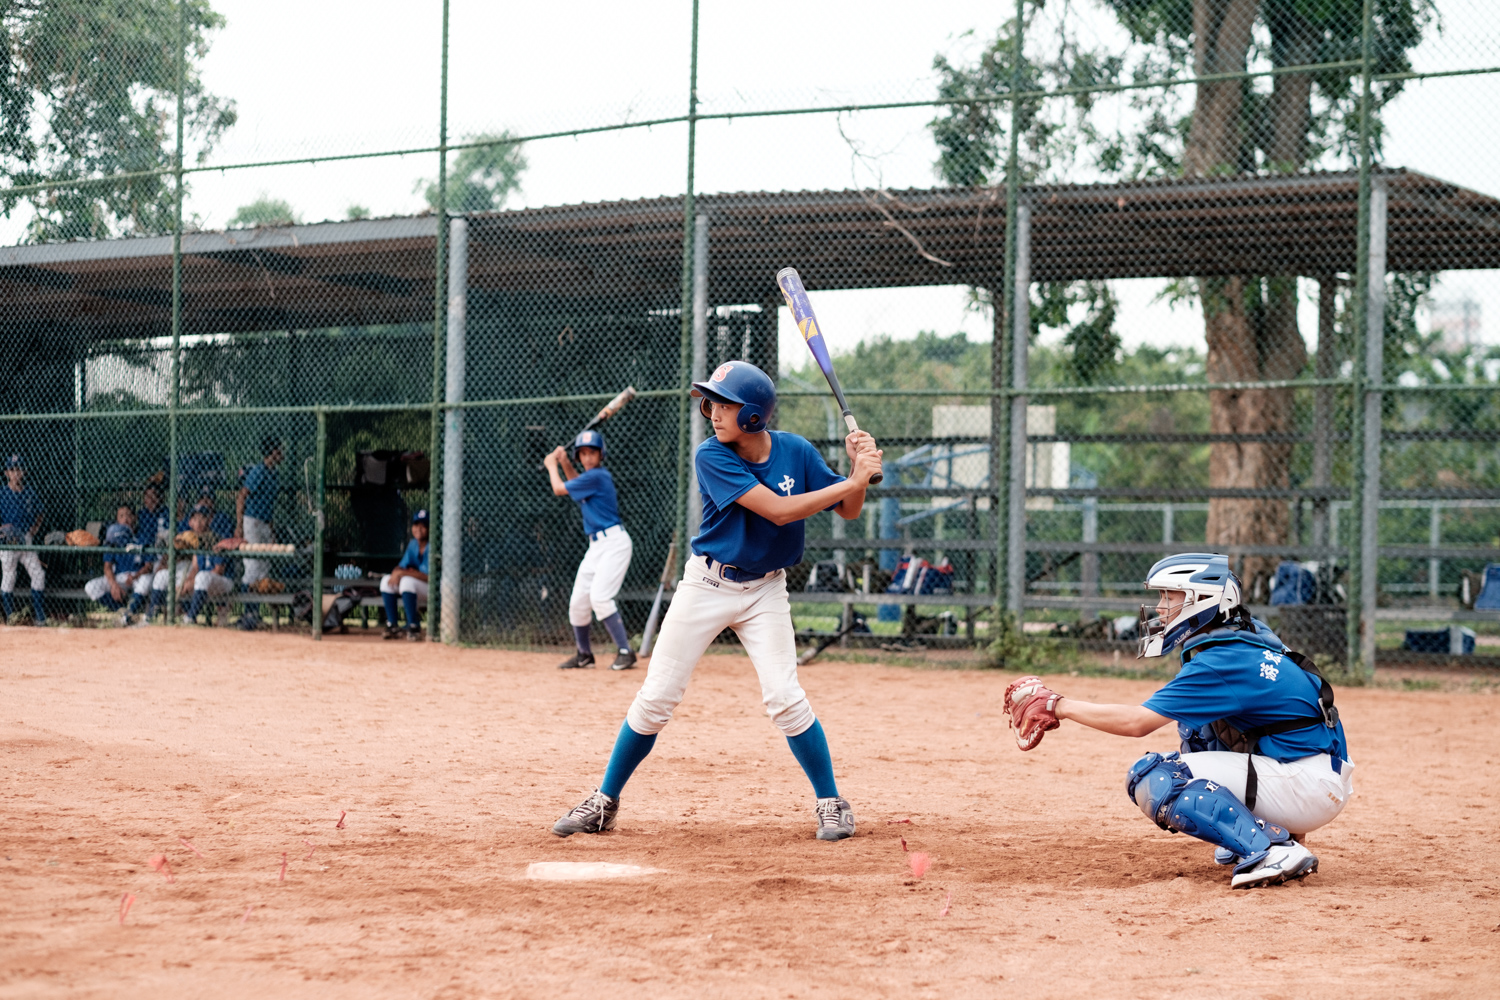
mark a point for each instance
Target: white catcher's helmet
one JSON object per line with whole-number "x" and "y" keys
{"x": 1211, "y": 590}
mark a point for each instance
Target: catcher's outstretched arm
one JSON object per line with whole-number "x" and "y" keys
{"x": 1121, "y": 720}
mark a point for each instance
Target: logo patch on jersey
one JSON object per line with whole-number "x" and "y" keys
{"x": 722, "y": 372}
{"x": 786, "y": 485}
{"x": 1268, "y": 672}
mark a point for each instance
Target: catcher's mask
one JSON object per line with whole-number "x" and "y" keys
{"x": 1209, "y": 590}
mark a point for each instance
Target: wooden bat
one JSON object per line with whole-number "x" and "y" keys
{"x": 611, "y": 408}
{"x": 790, "y": 283}
{"x": 667, "y": 572}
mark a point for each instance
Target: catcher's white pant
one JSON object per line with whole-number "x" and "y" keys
{"x": 1300, "y": 795}
{"x": 703, "y": 606}
{"x": 600, "y": 575}
{"x": 260, "y": 531}
{"x": 34, "y": 571}
{"x": 407, "y": 585}
{"x": 99, "y": 586}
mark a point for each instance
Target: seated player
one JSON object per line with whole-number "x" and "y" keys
{"x": 758, "y": 488}
{"x": 408, "y": 579}
{"x": 207, "y": 576}
{"x": 195, "y": 534}
{"x": 603, "y": 567}
{"x": 153, "y": 522}
{"x": 125, "y": 573}
{"x": 1263, "y": 759}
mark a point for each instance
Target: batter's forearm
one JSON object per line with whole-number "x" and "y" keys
{"x": 1121, "y": 720}
{"x": 785, "y": 510}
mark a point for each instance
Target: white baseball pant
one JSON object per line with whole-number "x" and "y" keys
{"x": 260, "y": 532}
{"x": 159, "y": 580}
{"x": 600, "y": 575}
{"x": 703, "y": 605}
{"x": 216, "y": 584}
{"x": 1300, "y": 795}
{"x": 34, "y": 571}
{"x": 408, "y": 585}
{"x": 99, "y": 586}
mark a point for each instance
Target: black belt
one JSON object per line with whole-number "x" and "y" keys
{"x": 735, "y": 574}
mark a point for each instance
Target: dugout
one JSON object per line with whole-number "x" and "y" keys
{"x": 572, "y": 301}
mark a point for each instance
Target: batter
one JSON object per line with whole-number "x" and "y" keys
{"x": 758, "y": 487}
{"x": 605, "y": 564}
{"x": 1263, "y": 759}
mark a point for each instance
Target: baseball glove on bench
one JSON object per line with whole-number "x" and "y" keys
{"x": 1030, "y": 705}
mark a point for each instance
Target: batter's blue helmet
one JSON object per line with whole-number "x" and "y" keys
{"x": 589, "y": 439}
{"x": 743, "y": 383}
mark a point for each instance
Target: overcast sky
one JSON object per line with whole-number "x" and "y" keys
{"x": 334, "y": 75}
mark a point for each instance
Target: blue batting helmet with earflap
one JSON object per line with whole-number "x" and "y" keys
{"x": 743, "y": 383}
{"x": 588, "y": 439}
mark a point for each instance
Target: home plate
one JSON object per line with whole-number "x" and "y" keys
{"x": 583, "y": 871}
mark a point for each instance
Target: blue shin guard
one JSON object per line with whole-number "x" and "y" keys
{"x": 630, "y": 749}
{"x": 1166, "y": 791}
{"x": 810, "y": 747}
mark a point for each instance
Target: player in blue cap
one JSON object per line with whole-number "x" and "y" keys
{"x": 409, "y": 580}
{"x": 604, "y": 565}
{"x": 127, "y": 576}
{"x": 1263, "y": 757}
{"x": 758, "y": 487}
{"x": 20, "y": 523}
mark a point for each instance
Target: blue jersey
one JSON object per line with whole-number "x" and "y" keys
{"x": 1245, "y": 679}
{"x": 124, "y": 562}
{"x": 150, "y": 522}
{"x": 261, "y": 482}
{"x": 594, "y": 492}
{"x": 415, "y": 557}
{"x": 208, "y": 563}
{"x": 735, "y": 535}
{"x": 19, "y": 510}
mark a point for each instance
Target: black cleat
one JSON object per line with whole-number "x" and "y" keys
{"x": 393, "y": 632}
{"x": 594, "y": 814}
{"x": 578, "y": 661}
{"x": 624, "y": 661}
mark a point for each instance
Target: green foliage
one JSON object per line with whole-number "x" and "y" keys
{"x": 481, "y": 177}
{"x": 355, "y": 212}
{"x": 264, "y": 211}
{"x": 88, "y": 89}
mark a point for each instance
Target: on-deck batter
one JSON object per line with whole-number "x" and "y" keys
{"x": 604, "y": 565}
{"x": 758, "y": 487}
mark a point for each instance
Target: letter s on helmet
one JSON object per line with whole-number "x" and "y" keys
{"x": 743, "y": 383}
{"x": 1211, "y": 589}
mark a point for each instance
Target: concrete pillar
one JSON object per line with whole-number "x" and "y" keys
{"x": 450, "y": 584}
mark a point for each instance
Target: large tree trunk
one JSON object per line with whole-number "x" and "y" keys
{"x": 1250, "y": 321}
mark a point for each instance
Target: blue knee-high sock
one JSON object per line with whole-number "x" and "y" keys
{"x": 196, "y": 604}
{"x": 409, "y": 604}
{"x": 581, "y": 637}
{"x": 135, "y": 603}
{"x": 8, "y": 601}
{"x": 108, "y": 600}
{"x": 392, "y": 619}
{"x": 630, "y": 749}
{"x": 616, "y": 626}
{"x": 157, "y": 596}
{"x": 810, "y": 747}
{"x": 38, "y": 606}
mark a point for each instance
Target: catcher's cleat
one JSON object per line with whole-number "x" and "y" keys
{"x": 594, "y": 814}
{"x": 835, "y": 819}
{"x": 578, "y": 661}
{"x": 624, "y": 661}
{"x": 1282, "y": 862}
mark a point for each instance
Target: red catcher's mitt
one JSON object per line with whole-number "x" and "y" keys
{"x": 1030, "y": 704}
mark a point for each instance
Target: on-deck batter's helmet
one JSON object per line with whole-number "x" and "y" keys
{"x": 1211, "y": 591}
{"x": 588, "y": 439}
{"x": 743, "y": 383}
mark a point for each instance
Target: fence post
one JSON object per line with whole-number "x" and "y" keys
{"x": 174, "y": 400}
{"x": 1015, "y": 487}
{"x": 320, "y": 521}
{"x": 1003, "y": 355}
{"x": 453, "y": 431}
{"x": 439, "y": 301}
{"x": 1357, "y": 425}
{"x": 699, "y": 369}
{"x": 1434, "y": 538}
{"x": 684, "y": 360}
{"x": 1369, "y": 524}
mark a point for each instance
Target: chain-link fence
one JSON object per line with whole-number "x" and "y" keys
{"x": 1302, "y": 184}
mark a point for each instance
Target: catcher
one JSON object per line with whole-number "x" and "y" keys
{"x": 1263, "y": 758}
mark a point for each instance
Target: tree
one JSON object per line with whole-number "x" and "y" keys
{"x": 88, "y": 89}
{"x": 264, "y": 211}
{"x": 482, "y": 177}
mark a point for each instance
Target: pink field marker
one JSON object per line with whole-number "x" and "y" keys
{"x": 310, "y": 848}
{"x": 189, "y": 845}
{"x": 125, "y": 902}
{"x": 282, "y": 876}
{"x": 340, "y": 824}
{"x": 247, "y": 914}
{"x": 919, "y": 862}
{"x": 948, "y": 899}
{"x": 159, "y": 863}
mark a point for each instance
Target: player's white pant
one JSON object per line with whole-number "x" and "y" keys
{"x": 159, "y": 580}
{"x": 99, "y": 586}
{"x": 257, "y": 531}
{"x": 703, "y": 605}
{"x": 216, "y": 584}
{"x": 408, "y": 585}
{"x": 599, "y": 577}
{"x": 34, "y": 571}
{"x": 1300, "y": 795}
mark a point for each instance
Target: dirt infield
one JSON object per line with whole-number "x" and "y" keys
{"x": 451, "y": 766}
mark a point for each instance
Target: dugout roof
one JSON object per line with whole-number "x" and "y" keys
{"x": 381, "y": 271}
